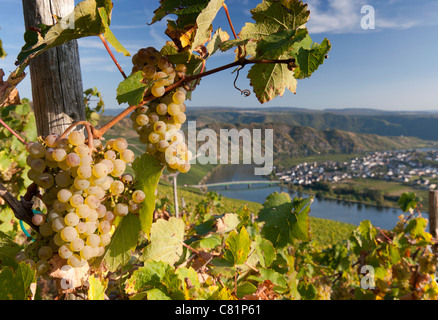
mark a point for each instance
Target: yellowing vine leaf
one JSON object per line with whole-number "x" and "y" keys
{"x": 166, "y": 241}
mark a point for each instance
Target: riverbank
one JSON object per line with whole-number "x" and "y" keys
{"x": 371, "y": 192}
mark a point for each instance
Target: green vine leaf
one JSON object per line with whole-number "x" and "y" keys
{"x": 148, "y": 172}
{"x": 109, "y": 35}
{"x": 237, "y": 247}
{"x": 132, "y": 89}
{"x": 97, "y": 288}
{"x": 123, "y": 242}
{"x": 84, "y": 21}
{"x": 285, "y": 220}
{"x": 8, "y": 249}
{"x": 166, "y": 241}
{"x": 204, "y": 22}
{"x": 308, "y": 61}
{"x": 15, "y": 283}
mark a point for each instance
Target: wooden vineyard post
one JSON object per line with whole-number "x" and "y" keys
{"x": 433, "y": 213}
{"x": 56, "y": 79}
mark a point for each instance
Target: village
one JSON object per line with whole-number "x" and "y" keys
{"x": 418, "y": 169}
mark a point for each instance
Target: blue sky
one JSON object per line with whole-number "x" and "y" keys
{"x": 393, "y": 67}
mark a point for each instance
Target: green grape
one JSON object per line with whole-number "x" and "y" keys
{"x": 59, "y": 155}
{"x": 109, "y": 163}
{"x": 64, "y": 195}
{"x": 81, "y": 227}
{"x": 45, "y": 180}
{"x": 76, "y": 200}
{"x": 138, "y": 196}
{"x": 180, "y": 117}
{"x": 38, "y": 219}
{"x": 161, "y": 109}
{"x": 109, "y": 216}
{"x": 71, "y": 219}
{"x": 121, "y": 209}
{"x": 58, "y": 224}
{"x": 160, "y": 127}
{"x": 158, "y": 91}
{"x": 82, "y": 150}
{"x": 46, "y": 229}
{"x": 100, "y": 170}
{"x": 153, "y": 117}
{"x": 76, "y": 138}
{"x": 184, "y": 167}
{"x": 90, "y": 228}
{"x": 36, "y": 150}
{"x": 93, "y": 240}
{"x": 65, "y": 252}
{"x": 92, "y": 201}
{"x": 104, "y": 226}
{"x": 38, "y": 165}
{"x": 93, "y": 216}
{"x": 173, "y": 162}
{"x": 154, "y": 137}
{"x": 119, "y": 168}
{"x": 127, "y": 156}
{"x": 87, "y": 253}
{"x": 162, "y": 145}
{"x": 81, "y": 184}
{"x": 179, "y": 97}
{"x": 181, "y": 68}
{"x": 105, "y": 239}
{"x": 58, "y": 240}
{"x": 148, "y": 72}
{"x": 83, "y": 211}
{"x": 63, "y": 179}
{"x": 72, "y": 159}
{"x": 127, "y": 178}
{"x": 77, "y": 245}
{"x": 142, "y": 119}
{"x": 68, "y": 234}
{"x": 110, "y": 155}
{"x": 33, "y": 175}
{"x": 134, "y": 207}
{"x": 86, "y": 160}
{"x": 117, "y": 187}
{"x": 75, "y": 261}
{"x": 120, "y": 144}
{"x": 42, "y": 266}
{"x": 173, "y": 109}
{"x": 84, "y": 172}
{"x": 50, "y": 140}
{"x": 45, "y": 253}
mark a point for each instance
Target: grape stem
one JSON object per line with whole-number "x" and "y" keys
{"x": 229, "y": 20}
{"x": 105, "y": 43}
{"x": 12, "y": 131}
{"x": 183, "y": 81}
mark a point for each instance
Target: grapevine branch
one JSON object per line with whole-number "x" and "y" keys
{"x": 184, "y": 80}
{"x": 105, "y": 43}
{"x": 12, "y": 131}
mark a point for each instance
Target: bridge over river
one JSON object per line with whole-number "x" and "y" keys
{"x": 228, "y": 183}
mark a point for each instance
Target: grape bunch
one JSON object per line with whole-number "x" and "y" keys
{"x": 83, "y": 190}
{"x": 158, "y": 122}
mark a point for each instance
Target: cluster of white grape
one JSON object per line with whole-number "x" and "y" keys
{"x": 158, "y": 123}
{"x": 83, "y": 191}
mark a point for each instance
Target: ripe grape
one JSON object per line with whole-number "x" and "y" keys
{"x": 76, "y": 138}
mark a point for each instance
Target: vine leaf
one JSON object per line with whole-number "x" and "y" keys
{"x": 97, "y": 288}
{"x": 15, "y": 284}
{"x": 165, "y": 241}
{"x": 8, "y": 248}
{"x": 148, "y": 172}
{"x": 218, "y": 38}
{"x": 285, "y": 220}
{"x": 84, "y": 21}
{"x": 237, "y": 247}
{"x": 279, "y": 33}
{"x": 265, "y": 251}
{"x": 131, "y": 90}
{"x": 308, "y": 61}
{"x": 109, "y": 35}
{"x": 123, "y": 241}
{"x": 204, "y": 23}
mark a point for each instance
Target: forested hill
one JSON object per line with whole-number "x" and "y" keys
{"x": 413, "y": 124}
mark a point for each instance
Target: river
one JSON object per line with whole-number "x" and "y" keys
{"x": 354, "y": 213}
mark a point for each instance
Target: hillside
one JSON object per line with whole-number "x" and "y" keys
{"x": 290, "y": 139}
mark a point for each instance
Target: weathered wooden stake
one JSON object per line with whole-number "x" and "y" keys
{"x": 433, "y": 213}
{"x": 56, "y": 79}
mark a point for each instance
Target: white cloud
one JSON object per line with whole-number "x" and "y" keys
{"x": 344, "y": 16}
